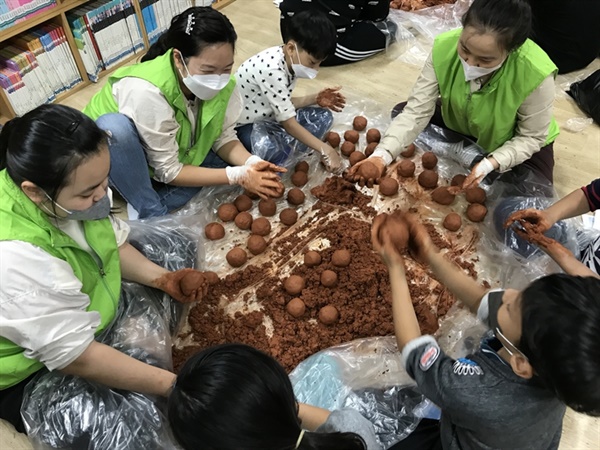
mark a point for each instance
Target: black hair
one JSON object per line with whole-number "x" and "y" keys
{"x": 235, "y": 397}
{"x": 561, "y": 337}
{"x": 192, "y": 31}
{"x": 509, "y": 20}
{"x": 313, "y": 32}
{"x": 47, "y": 144}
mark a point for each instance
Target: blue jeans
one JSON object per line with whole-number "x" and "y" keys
{"x": 270, "y": 141}
{"x": 129, "y": 170}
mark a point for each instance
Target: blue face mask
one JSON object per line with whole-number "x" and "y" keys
{"x": 99, "y": 210}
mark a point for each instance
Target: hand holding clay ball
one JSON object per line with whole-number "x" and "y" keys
{"x": 296, "y": 196}
{"x": 302, "y": 166}
{"x": 236, "y": 257}
{"x": 251, "y": 195}
{"x": 299, "y": 179}
{"x": 294, "y": 284}
{"x": 279, "y": 190}
{"x": 443, "y": 196}
{"x": 351, "y": 136}
{"x": 388, "y": 186}
{"x": 359, "y": 123}
{"x": 373, "y": 136}
{"x": 341, "y": 258}
{"x": 368, "y": 171}
{"x": 429, "y": 160}
{"x": 256, "y": 244}
{"x": 214, "y": 231}
{"x": 452, "y": 222}
{"x": 312, "y": 259}
{"x": 356, "y": 157}
{"x": 369, "y": 149}
{"x": 333, "y": 139}
{"x": 261, "y": 226}
{"x": 186, "y": 285}
{"x": 329, "y": 278}
{"x": 458, "y": 180}
{"x": 243, "y": 203}
{"x": 406, "y": 168}
{"x": 409, "y": 152}
{"x": 243, "y": 220}
{"x": 475, "y": 195}
{"x": 428, "y": 179}
{"x": 267, "y": 207}
{"x": 288, "y": 216}
{"x": 227, "y": 212}
{"x": 393, "y": 228}
{"x": 328, "y": 315}
{"x": 348, "y": 148}
{"x": 296, "y": 307}
{"x": 476, "y": 212}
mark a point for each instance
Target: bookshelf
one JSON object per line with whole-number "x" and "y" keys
{"x": 58, "y": 16}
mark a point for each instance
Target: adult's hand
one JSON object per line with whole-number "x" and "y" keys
{"x": 330, "y": 158}
{"x": 263, "y": 179}
{"x": 538, "y": 218}
{"x": 367, "y": 172}
{"x": 478, "y": 173}
{"x": 332, "y": 99}
{"x": 186, "y": 285}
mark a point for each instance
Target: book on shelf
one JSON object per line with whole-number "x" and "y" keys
{"x": 157, "y": 15}
{"x": 15, "y": 11}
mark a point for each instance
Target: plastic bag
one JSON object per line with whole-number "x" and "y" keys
{"x": 586, "y": 94}
{"x": 577, "y": 124}
{"x": 448, "y": 144}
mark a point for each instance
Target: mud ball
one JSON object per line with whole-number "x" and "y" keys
{"x": 475, "y": 195}
{"x": 429, "y": 160}
{"x": 302, "y": 166}
{"x": 410, "y": 151}
{"x": 458, "y": 180}
{"x": 192, "y": 281}
{"x": 243, "y": 220}
{"x": 347, "y": 148}
{"x": 428, "y": 179}
{"x": 211, "y": 277}
{"x": 351, "y": 136}
{"x": 227, "y": 212}
{"x": 341, "y": 258}
{"x": 333, "y": 139}
{"x": 356, "y": 157}
{"x": 442, "y": 196}
{"x": 296, "y": 307}
{"x": 296, "y": 196}
{"x": 236, "y": 257}
{"x": 388, "y": 186}
{"x": 288, "y": 216}
{"x": 280, "y": 189}
{"x": 368, "y": 171}
{"x": 243, "y": 203}
{"x": 256, "y": 244}
{"x": 452, "y": 222}
{"x": 395, "y": 227}
{"x": 359, "y": 123}
{"x": 406, "y": 168}
{"x": 369, "y": 149}
{"x": 329, "y": 278}
{"x": 261, "y": 226}
{"x": 328, "y": 315}
{"x": 299, "y": 179}
{"x": 373, "y": 136}
{"x": 312, "y": 259}
{"x": 251, "y": 195}
{"x": 476, "y": 212}
{"x": 267, "y": 207}
{"x": 214, "y": 231}
{"x": 294, "y": 284}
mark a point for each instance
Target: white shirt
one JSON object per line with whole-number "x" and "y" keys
{"x": 154, "y": 119}
{"x": 266, "y": 86}
{"x": 42, "y": 308}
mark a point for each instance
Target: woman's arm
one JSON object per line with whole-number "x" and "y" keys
{"x": 312, "y": 417}
{"x": 137, "y": 268}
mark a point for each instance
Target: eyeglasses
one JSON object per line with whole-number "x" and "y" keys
{"x": 506, "y": 344}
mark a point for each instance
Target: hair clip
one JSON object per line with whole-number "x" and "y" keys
{"x": 190, "y": 23}
{"x": 72, "y": 128}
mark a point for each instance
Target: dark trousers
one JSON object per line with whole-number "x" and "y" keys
{"x": 425, "y": 437}
{"x": 540, "y": 163}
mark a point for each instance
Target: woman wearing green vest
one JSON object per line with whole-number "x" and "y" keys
{"x": 171, "y": 119}
{"x": 493, "y": 84}
{"x": 63, "y": 259}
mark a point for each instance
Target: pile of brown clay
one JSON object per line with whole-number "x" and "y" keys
{"x": 214, "y": 231}
{"x": 458, "y": 180}
{"x": 429, "y": 160}
{"x": 452, "y": 222}
{"x": 312, "y": 259}
{"x": 227, "y": 212}
{"x": 267, "y": 207}
{"x": 243, "y": 203}
{"x": 406, "y": 168}
{"x": 329, "y": 278}
{"x": 296, "y": 307}
{"x": 409, "y": 152}
{"x": 347, "y": 148}
{"x": 442, "y": 196}
{"x": 388, "y": 186}
{"x": 296, "y": 196}
{"x": 359, "y": 123}
{"x": 368, "y": 171}
{"x": 475, "y": 195}
{"x": 256, "y": 244}
{"x": 261, "y": 226}
{"x": 302, "y": 166}
{"x": 236, "y": 257}
{"x": 373, "y": 136}
{"x": 428, "y": 179}
{"x": 333, "y": 139}
{"x": 351, "y": 136}
{"x": 356, "y": 157}
{"x": 288, "y": 216}
{"x": 476, "y": 212}
{"x": 294, "y": 284}
{"x": 369, "y": 149}
{"x": 243, "y": 220}
{"x": 328, "y": 315}
{"x": 299, "y": 178}
{"x": 341, "y": 258}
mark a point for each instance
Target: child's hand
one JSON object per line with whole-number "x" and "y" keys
{"x": 420, "y": 244}
{"x": 331, "y": 159}
{"x": 332, "y": 99}
{"x": 382, "y": 243}
{"x": 186, "y": 285}
{"x": 367, "y": 172}
{"x": 538, "y": 218}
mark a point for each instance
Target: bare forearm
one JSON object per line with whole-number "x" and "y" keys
{"x": 572, "y": 205}
{"x": 136, "y": 267}
{"x": 302, "y": 134}
{"x": 307, "y": 100}
{"x": 406, "y": 325}
{"x": 234, "y": 153}
{"x": 200, "y": 176}
{"x": 572, "y": 266}
{"x": 105, "y": 365}
{"x": 312, "y": 417}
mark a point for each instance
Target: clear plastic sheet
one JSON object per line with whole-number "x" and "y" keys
{"x": 577, "y": 124}
{"x": 448, "y": 144}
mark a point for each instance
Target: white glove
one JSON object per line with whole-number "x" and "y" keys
{"x": 236, "y": 174}
{"x": 253, "y": 160}
{"x": 383, "y": 154}
{"x": 483, "y": 168}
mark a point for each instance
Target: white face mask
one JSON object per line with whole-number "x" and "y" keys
{"x": 474, "y": 72}
{"x": 205, "y": 87}
{"x": 302, "y": 71}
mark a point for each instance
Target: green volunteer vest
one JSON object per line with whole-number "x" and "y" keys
{"x": 163, "y": 74}
{"x": 490, "y": 115}
{"x": 22, "y": 220}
